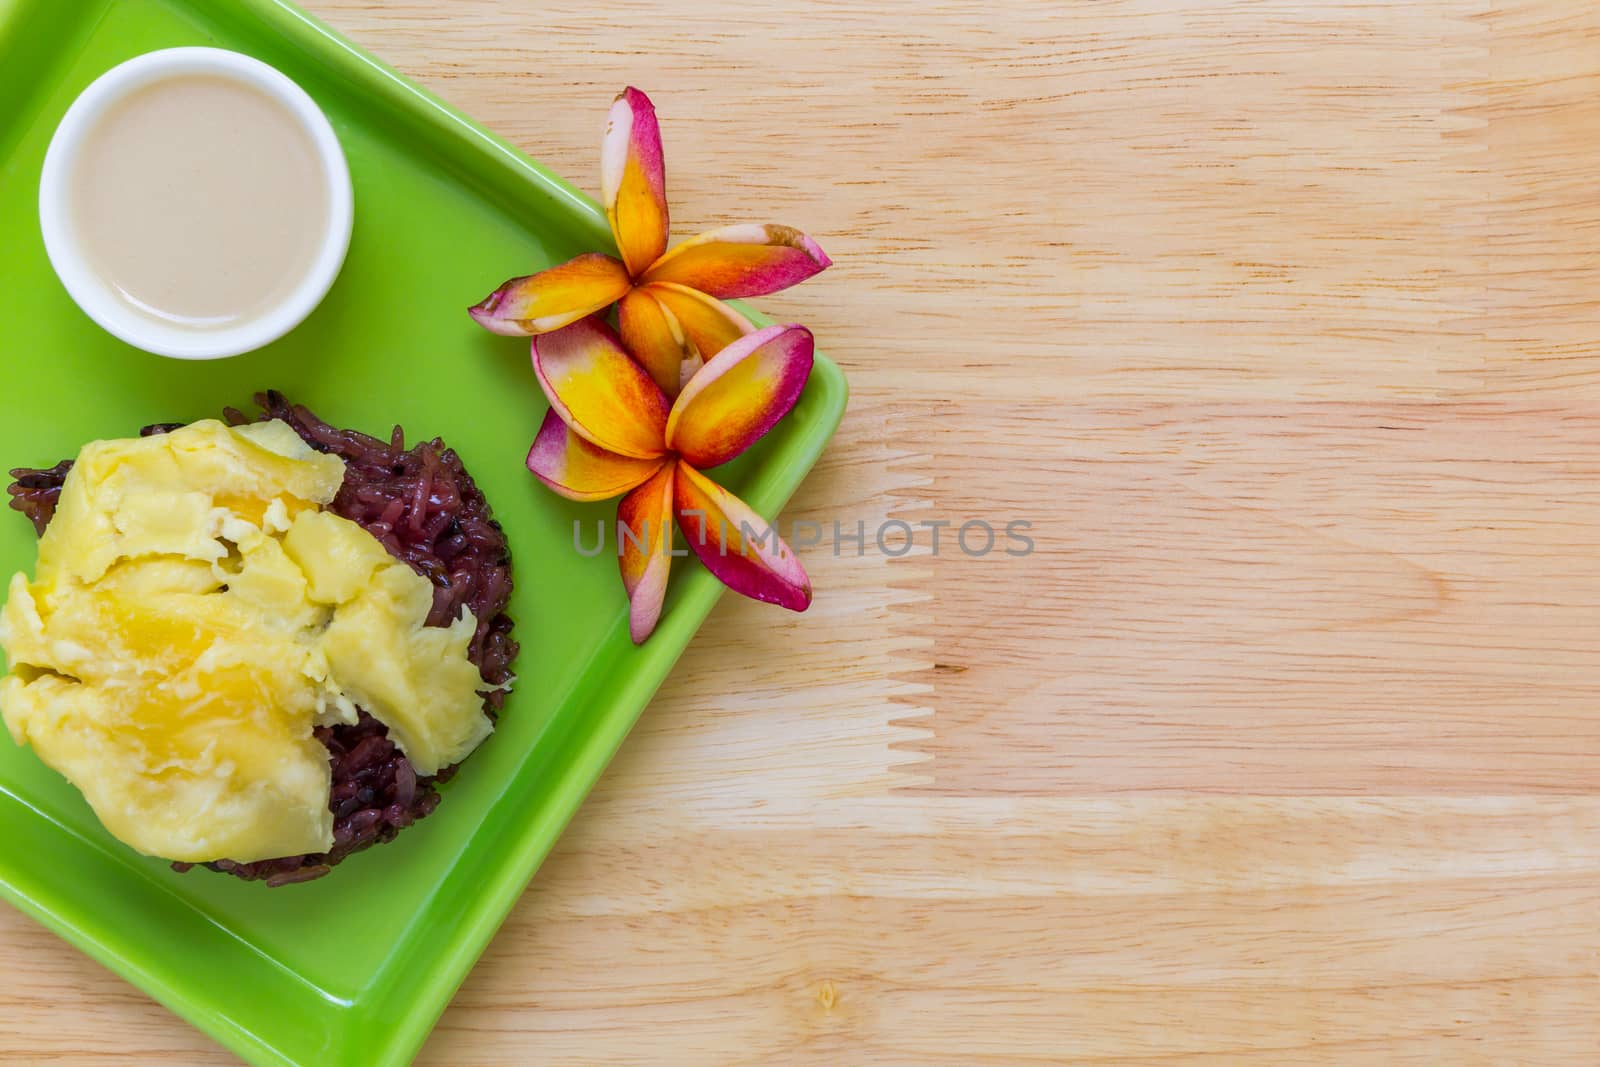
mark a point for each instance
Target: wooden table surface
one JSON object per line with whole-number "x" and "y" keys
{"x": 1280, "y": 322}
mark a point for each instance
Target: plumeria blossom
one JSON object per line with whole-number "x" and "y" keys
{"x": 612, "y": 431}
{"x": 670, "y": 308}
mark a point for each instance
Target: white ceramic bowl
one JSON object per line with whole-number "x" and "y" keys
{"x": 98, "y": 300}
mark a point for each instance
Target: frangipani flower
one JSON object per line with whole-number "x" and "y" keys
{"x": 670, "y": 304}
{"x": 611, "y": 431}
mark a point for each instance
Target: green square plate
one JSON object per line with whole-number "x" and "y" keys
{"x": 355, "y": 968}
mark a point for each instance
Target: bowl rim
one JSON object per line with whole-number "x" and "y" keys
{"x": 97, "y": 299}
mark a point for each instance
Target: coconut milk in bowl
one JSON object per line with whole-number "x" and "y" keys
{"x": 195, "y": 203}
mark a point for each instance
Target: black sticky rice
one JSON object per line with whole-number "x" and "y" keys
{"x": 426, "y": 510}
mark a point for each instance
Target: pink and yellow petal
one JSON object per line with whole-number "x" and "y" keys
{"x": 652, "y": 336}
{"x": 578, "y": 470}
{"x": 549, "y": 300}
{"x": 706, "y": 322}
{"x": 599, "y": 391}
{"x": 644, "y": 539}
{"x": 745, "y": 260}
{"x": 737, "y": 545}
{"x": 740, "y": 394}
{"x": 633, "y": 180}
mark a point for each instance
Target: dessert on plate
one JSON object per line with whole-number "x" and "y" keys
{"x": 258, "y": 644}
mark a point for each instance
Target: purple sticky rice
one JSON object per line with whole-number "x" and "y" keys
{"x": 426, "y": 510}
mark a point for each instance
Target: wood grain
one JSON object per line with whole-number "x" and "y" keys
{"x": 1278, "y": 320}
